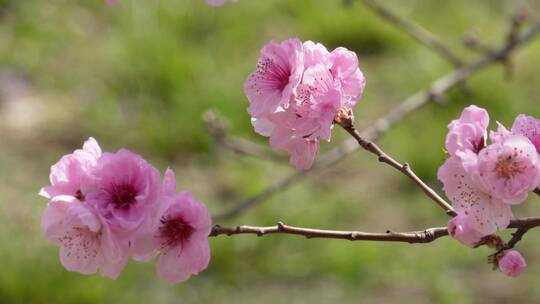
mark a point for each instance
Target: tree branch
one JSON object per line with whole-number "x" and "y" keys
{"x": 380, "y": 126}
{"x": 345, "y": 119}
{"x": 523, "y": 225}
{"x": 415, "y": 31}
{"x": 422, "y": 236}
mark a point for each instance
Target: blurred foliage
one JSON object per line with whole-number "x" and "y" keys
{"x": 140, "y": 74}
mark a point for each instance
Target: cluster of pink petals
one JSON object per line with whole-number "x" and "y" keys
{"x": 484, "y": 180}
{"x": 512, "y": 263}
{"x": 219, "y": 2}
{"x": 106, "y": 207}
{"x": 296, "y": 91}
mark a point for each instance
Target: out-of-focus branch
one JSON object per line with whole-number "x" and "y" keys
{"x": 218, "y": 127}
{"x": 422, "y": 236}
{"x": 415, "y": 31}
{"x": 380, "y": 126}
{"x": 345, "y": 119}
{"x": 516, "y": 25}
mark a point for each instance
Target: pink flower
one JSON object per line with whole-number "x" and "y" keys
{"x": 317, "y": 101}
{"x": 124, "y": 190}
{"x": 500, "y": 135}
{"x": 344, "y": 68}
{"x": 469, "y": 132}
{"x": 218, "y": 2}
{"x": 510, "y": 169}
{"x": 112, "y": 2}
{"x": 182, "y": 236}
{"x": 529, "y": 127}
{"x": 315, "y": 53}
{"x": 328, "y": 82}
{"x": 279, "y": 71}
{"x": 480, "y": 211}
{"x": 512, "y": 263}
{"x": 460, "y": 229}
{"x": 66, "y": 174}
{"x": 86, "y": 243}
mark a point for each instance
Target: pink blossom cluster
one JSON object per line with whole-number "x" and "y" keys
{"x": 296, "y": 91}
{"x": 484, "y": 180}
{"x": 106, "y": 207}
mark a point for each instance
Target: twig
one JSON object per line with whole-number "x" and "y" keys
{"x": 537, "y": 191}
{"x": 472, "y": 42}
{"x": 516, "y": 24}
{"x": 217, "y": 127}
{"x": 415, "y": 31}
{"x": 406, "y": 107}
{"x": 523, "y": 226}
{"x": 422, "y": 236}
{"x": 345, "y": 119}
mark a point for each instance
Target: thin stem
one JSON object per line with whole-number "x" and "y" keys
{"x": 523, "y": 225}
{"x": 422, "y": 236}
{"x": 346, "y": 122}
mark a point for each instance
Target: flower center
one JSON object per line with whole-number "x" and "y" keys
{"x": 478, "y": 146}
{"x": 174, "y": 231}
{"x": 123, "y": 195}
{"x": 507, "y": 167}
{"x": 79, "y": 195}
{"x": 277, "y": 76}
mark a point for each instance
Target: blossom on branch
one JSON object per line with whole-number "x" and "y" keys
{"x": 483, "y": 180}
{"x": 86, "y": 242}
{"x": 529, "y": 127}
{"x": 296, "y": 91}
{"x": 510, "y": 169}
{"x": 479, "y": 214}
{"x": 106, "y": 207}
{"x": 182, "y": 235}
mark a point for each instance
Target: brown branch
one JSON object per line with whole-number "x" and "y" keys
{"x": 424, "y": 236}
{"x": 345, "y": 119}
{"x": 421, "y": 236}
{"x": 523, "y": 225}
{"x": 537, "y": 191}
{"x": 415, "y": 31}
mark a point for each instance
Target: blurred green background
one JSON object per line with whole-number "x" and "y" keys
{"x": 140, "y": 75}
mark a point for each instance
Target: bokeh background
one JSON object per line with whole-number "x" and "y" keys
{"x": 140, "y": 74}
